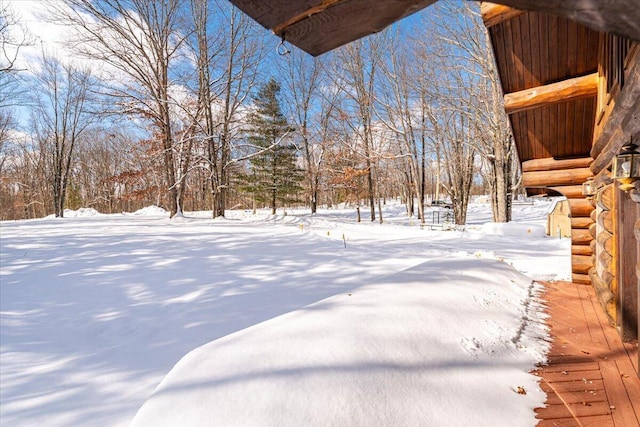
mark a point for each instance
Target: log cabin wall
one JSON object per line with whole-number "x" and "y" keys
{"x": 566, "y": 177}
{"x": 615, "y": 275}
{"x": 573, "y": 99}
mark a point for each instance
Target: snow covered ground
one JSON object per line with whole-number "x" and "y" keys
{"x": 272, "y": 320}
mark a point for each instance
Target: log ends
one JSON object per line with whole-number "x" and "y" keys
{"x": 605, "y": 296}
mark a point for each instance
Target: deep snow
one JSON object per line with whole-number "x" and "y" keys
{"x": 96, "y": 309}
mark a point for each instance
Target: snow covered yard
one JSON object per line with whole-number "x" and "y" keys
{"x": 298, "y": 319}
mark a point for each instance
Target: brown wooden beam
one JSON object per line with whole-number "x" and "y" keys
{"x": 581, "y": 237}
{"x": 581, "y": 250}
{"x": 549, "y": 163}
{"x": 580, "y": 207}
{"x": 555, "y": 177}
{"x": 581, "y": 264}
{"x": 569, "y": 191}
{"x": 581, "y": 222}
{"x": 541, "y": 96}
{"x": 494, "y": 14}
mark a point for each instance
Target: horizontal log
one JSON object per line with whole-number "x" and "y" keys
{"x": 592, "y": 245}
{"x": 594, "y": 215}
{"x": 581, "y": 264}
{"x": 550, "y": 164}
{"x": 554, "y": 178}
{"x": 593, "y": 229}
{"x": 582, "y": 279}
{"x": 494, "y": 14}
{"x": 580, "y": 237}
{"x": 636, "y": 231}
{"x": 569, "y": 191}
{"x": 605, "y": 242}
{"x": 580, "y": 208}
{"x": 581, "y": 250}
{"x": 606, "y": 197}
{"x": 605, "y": 296}
{"x": 606, "y": 221}
{"x": 581, "y": 222}
{"x": 553, "y": 93}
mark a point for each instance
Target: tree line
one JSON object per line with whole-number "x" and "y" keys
{"x": 186, "y": 104}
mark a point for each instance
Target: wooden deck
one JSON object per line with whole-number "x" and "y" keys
{"x": 591, "y": 379}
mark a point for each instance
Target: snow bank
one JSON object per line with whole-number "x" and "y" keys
{"x": 82, "y": 212}
{"x": 151, "y": 211}
{"x": 445, "y": 343}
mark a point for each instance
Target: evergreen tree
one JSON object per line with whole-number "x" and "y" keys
{"x": 274, "y": 178}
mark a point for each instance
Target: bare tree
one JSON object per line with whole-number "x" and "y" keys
{"x": 303, "y": 80}
{"x": 228, "y": 66}
{"x": 139, "y": 40}
{"x": 404, "y": 102}
{"x": 359, "y": 62}
{"x": 12, "y": 38}
{"x": 60, "y": 120}
{"x": 467, "y": 54}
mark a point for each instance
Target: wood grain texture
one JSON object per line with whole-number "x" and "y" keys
{"x": 494, "y": 14}
{"x": 555, "y": 177}
{"x": 581, "y": 264}
{"x": 581, "y": 250}
{"x": 569, "y": 191}
{"x": 541, "y": 96}
{"x": 605, "y": 220}
{"x": 580, "y": 237}
{"x": 613, "y": 16}
{"x": 550, "y": 163}
{"x": 580, "y": 208}
{"x": 581, "y": 222}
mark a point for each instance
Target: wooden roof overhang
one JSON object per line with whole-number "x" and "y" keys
{"x": 554, "y": 75}
{"x": 548, "y": 67}
{"x": 318, "y": 26}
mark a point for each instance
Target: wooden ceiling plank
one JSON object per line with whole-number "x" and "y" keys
{"x": 613, "y": 16}
{"x": 535, "y": 47}
{"x": 553, "y": 49}
{"x": 570, "y": 118}
{"x": 494, "y": 14}
{"x": 527, "y": 60}
{"x": 566, "y": 90}
{"x": 517, "y": 58}
{"x": 550, "y": 118}
{"x": 572, "y": 47}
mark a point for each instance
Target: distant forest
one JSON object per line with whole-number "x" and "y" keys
{"x": 190, "y": 105}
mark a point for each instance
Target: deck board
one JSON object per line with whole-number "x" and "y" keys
{"x": 591, "y": 377}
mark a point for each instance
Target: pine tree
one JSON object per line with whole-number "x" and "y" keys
{"x": 274, "y": 177}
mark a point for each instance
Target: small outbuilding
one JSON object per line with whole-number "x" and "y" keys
{"x": 559, "y": 219}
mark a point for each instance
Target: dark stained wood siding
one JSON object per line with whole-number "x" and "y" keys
{"x": 535, "y": 49}
{"x": 562, "y": 130}
{"x": 338, "y": 24}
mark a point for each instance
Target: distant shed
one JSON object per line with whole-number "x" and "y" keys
{"x": 559, "y": 219}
